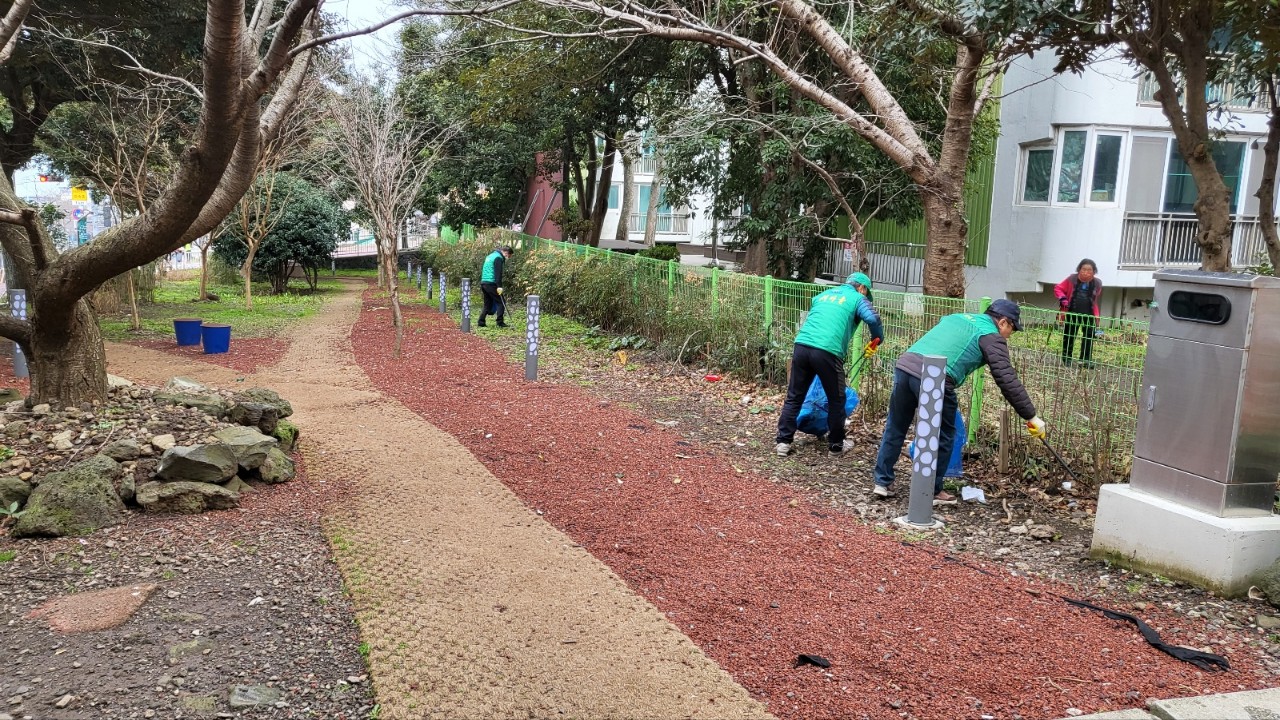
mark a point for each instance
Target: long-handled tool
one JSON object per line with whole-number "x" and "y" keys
{"x": 871, "y": 350}
{"x": 1062, "y": 462}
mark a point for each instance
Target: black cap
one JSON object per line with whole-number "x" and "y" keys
{"x": 506, "y": 249}
{"x": 1007, "y": 309}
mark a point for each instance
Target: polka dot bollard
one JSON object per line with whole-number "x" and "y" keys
{"x": 532, "y": 337}
{"x": 928, "y": 430}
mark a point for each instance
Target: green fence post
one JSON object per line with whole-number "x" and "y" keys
{"x": 671, "y": 282}
{"x": 768, "y": 304}
{"x": 975, "y": 401}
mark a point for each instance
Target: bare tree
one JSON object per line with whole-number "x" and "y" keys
{"x": 388, "y": 160}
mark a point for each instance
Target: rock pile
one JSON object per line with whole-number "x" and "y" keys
{"x": 185, "y": 448}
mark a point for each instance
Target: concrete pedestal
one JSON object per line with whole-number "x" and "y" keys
{"x": 1148, "y": 533}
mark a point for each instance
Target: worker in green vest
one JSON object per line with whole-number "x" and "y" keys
{"x": 968, "y": 341}
{"x": 819, "y": 351}
{"x": 491, "y": 285}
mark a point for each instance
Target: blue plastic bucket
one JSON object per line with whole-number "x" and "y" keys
{"x": 216, "y": 338}
{"x": 187, "y": 330}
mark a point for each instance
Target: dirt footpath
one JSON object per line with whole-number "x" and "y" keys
{"x": 471, "y": 604}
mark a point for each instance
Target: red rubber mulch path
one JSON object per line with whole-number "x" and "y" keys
{"x": 755, "y": 574}
{"x": 245, "y": 355}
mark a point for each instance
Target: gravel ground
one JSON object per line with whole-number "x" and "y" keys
{"x": 756, "y": 570}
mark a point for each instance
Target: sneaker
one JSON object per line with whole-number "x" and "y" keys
{"x": 502, "y": 324}
{"x": 945, "y": 498}
{"x": 883, "y": 491}
{"x": 783, "y": 449}
{"x": 833, "y": 452}
{"x": 481, "y": 324}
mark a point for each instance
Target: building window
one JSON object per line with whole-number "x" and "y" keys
{"x": 1106, "y": 168}
{"x": 1180, "y": 191}
{"x": 1072, "y": 169}
{"x": 613, "y": 196}
{"x": 1038, "y": 175}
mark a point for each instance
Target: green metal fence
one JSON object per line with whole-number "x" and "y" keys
{"x": 746, "y": 324}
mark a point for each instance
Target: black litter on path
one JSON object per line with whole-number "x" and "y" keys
{"x": 1202, "y": 660}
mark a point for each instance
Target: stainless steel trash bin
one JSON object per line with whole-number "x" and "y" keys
{"x": 1209, "y": 411}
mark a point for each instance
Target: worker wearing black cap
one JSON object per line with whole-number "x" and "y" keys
{"x": 968, "y": 341}
{"x": 491, "y": 285}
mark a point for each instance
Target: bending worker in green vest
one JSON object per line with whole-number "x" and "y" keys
{"x": 491, "y": 285}
{"x": 820, "y": 349}
{"x": 968, "y": 341}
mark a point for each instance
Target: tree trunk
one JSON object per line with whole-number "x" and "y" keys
{"x": 247, "y": 271}
{"x": 947, "y": 232}
{"x": 1213, "y": 209}
{"x": 600, "y": 191}
{"x": 393, "y": 287}
{"x": 135, "y": 320}
{"x": 628, "y": 200}
{"x": 655, "y": 194}
{"x": 67, "y": 360}
{"x": 1267, "y": 188}
{"x": 204, "y": 272}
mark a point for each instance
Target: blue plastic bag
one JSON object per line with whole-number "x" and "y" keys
{"x": 813, "y": 413}
{"x": 954, "y": 468}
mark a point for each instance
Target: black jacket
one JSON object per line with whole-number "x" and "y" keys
{"x": 995, "y": 351}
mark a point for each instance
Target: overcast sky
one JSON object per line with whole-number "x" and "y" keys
{"x": 368, "y": 50}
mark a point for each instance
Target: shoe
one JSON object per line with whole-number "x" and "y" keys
{"x": 841, "y": 451}
{"x": 1086, "y": 364}
{"x": 783, "y": 449}
{"x": 945, "y": 498}
{"x": 502, "y": 324}
{"x": 481, "y": 324}
{"x": 883, "y": 491}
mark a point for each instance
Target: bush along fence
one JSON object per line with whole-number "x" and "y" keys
{"x": 746, "y": 324}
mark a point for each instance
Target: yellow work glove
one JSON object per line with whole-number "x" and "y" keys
{"x": 1035, "y": 427}
{"x": 871, "y": 348}
{"x": 499, "y": 291}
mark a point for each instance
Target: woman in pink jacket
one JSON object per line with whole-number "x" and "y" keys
{"x": 1078, "y": 297}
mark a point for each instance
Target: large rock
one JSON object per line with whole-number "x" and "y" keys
{"x": 13, "y": 490}
{"x": 186, "y": 498}
{"x": 197, "y": 463}
{"x": 192, "y": 394}
{"x": 127, "y": 449}
{"x": 248, "y": 445}
{"x": 76, "y": 501}
{"x": 277, "y": 468}
{"x": 288, "y": 434}
{"x": 260, "y": 408}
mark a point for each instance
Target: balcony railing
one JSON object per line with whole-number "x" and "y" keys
{"x": 668, "y": 223}
{"x": 646, "y": 165}
{"x": 1156, "y": 240}
{"x": 1226, "y": 94}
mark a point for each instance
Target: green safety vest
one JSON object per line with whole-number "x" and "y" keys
{"x": 832, "y": 318}
{"x": 955, "y": 337}
{"x": 487, "y": 274}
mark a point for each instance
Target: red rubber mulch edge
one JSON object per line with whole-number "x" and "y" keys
{"x": 245, "y": 355}
{"x": 755, "y": 573}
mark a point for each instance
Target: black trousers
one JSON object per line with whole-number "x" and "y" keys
{"x": 1081, "y": 323}
{"x": 493, "y": 304}
{"x": 807, "y": 363}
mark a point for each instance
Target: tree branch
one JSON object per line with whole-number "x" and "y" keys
{"x": 10, "y": 26}
{"x": 16, "y": 330}
{"x": 30, "y": 221}
{"x": 473, "y": 12}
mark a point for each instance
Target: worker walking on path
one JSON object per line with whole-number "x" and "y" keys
{"x": 968, "y": 341}
{"x": 491, "y": 286}
{"x": 820, "y": 350}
